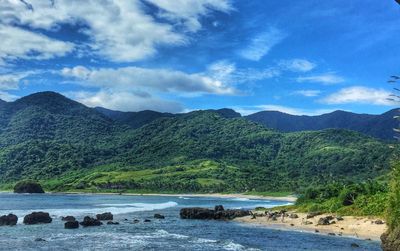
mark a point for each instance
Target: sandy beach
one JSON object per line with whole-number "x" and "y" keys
{"x": 350, "y": 226}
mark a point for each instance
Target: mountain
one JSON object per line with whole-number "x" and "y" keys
{"x": 141, "y": 118}
{"x": 378, "y": 126}
{"x": 68, "y": 146}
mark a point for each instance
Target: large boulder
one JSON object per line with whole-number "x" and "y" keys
{"x": 28, "y": 186}
{"x": 391, "y": 240}
{"x": 68, "y": 218}
{"x": 8, "y": 220}
{"x": 159, "y": 216}
{"x": 90, "y": 222}
{"x": 37, "y": 218}
{"x": 105, "y": 216}
{"x": 71, "y": 224}
{"x": 208, "y": 214}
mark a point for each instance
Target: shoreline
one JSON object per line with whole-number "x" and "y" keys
{"x": 351, "y": 226}
{"x": 213, "y": 195}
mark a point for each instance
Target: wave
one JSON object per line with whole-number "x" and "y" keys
{"x": 113, "y": 208}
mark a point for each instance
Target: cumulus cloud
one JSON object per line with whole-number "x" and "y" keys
{"x": 307, "y": 93}
{"x": 8, "y": 96}
{"x": 326, "y": 79}
{"x": 118, "y": 30}
{"x": 297, "y": 65}
{"x": 361, "y": 95}
{"x": 17, "y": 43}
{"x": 261, "y": 44}
{"x": 124, "y": 101}
{"x": 161, "y": 80}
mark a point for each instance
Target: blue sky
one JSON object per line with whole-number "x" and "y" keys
{"x": 300, "y": 57}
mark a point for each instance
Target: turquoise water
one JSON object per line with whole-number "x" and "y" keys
{"x": 171, "y": 233}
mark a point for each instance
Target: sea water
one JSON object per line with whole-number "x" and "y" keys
{"x": 171, "y": 233}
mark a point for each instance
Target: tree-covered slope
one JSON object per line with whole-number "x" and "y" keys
{"x": 379, "y": 126}
{"x": 69, "y": 146}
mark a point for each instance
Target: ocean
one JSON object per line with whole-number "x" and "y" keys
{"x": 171, "y": 233}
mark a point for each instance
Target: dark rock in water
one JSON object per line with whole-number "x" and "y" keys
{"x": 90, "y": 222}
{"x": 8, "y": 220}
{"x": 71, "y": 224}
{"x": 208, "y": 214}
{"x": 333, "y": 234}
{"x": 105, "y": 216}
{"x": 136, "y": 221}
{"x": 354, "y": 245}
{"x": 219, "y": 208}
{"x": 40, "y": 239}
{"x": 147, "y": 220}
{"x": 28, "y": 187}
{"x": 68, "y": 218}
{"x": 37, "y": 218}
{"x": 316, "y": 230}
{"x": 112, "y": 223}
{"x": 159, "y": 216}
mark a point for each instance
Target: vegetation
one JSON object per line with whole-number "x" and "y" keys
{"x": 71, "y": 147}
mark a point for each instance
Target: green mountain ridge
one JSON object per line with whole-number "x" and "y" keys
{"x": 69, "y": 146}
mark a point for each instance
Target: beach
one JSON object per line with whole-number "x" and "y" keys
{"x": 350, "y": 226}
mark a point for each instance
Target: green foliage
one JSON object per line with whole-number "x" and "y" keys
{"x": 393, "y": 211}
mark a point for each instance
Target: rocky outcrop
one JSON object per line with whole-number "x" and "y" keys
{"x": 8, "y": 220}
{"x": 68, "y": 218}
{"x": 37, "y": 218}
{"x": 391, "y": 240}
{"x": 210, "y": 214}
{"x": 159, "y": 216}
{"x": 71, "y": 224}
{"x": 28, "y": 187}
{"x": 90, "y": 222}
{"x": 105, "y": 216}
{"x": 112, "y": 223}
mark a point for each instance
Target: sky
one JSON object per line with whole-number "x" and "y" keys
{"x": 300, "y": 57}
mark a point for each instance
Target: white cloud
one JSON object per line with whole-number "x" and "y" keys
{"x": 285, "y": 109}
{"x": 159, "y": 80}
{"x": 118, "y": 30}
{"x": 307, "y": 93}
{"x": 12, "y": 80}
{"x": 261, "y": 44}
{"x": 124, "y": 101}
{"x": 17, "y": 43}
{"x": 7, "y": 96}
{"x": 327, "y": 79}
{"x": 359, "y": 94}
{"x": 187, "y": 13}
{"x": 297, "y": 65}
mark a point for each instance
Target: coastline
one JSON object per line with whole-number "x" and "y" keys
{"x": 350, "y": 226}
{"x": 215, "y": 195}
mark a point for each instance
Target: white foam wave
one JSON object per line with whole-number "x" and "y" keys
{"x": 113, "y": 208}
{"x": 237, "y": 247}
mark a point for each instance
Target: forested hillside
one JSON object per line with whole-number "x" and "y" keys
{"x": 68, "y": 146}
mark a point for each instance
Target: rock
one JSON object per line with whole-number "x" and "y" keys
{"x": 218, "y": 208}
{"x": 391, "y": 240}
{"x": 90, "y": 222}
{"x": 8, "y": 220}
{"x": 379, "y": 222}
{"x": 28, "y": 186}
{"x": 293, "y": 216}
{"x": 136, "y": 221}
{"x": 323, "y": 221}
{"x": 71, "y": 224}
{"x": 333, "y": 234}
{"x": 112, "y": 223}
{"x": 147, "y": 220}
{"x": 68, "y": 218}
{"x": 316, "y": 230}
{"x": 159, "y": 216}
{"x": 37, "y": 218}
{"x": 339, "y": 218}
{"x": 308, "y": 223}
{"x": 209, "y": 214}
{"x": 105, "y": 216}
{"x": 274, "y": 217}
{"x": 332, "y": 222}
{"x": 40, "y": 239}
{"x": 312, "y": 215}
{"x": 354, "y": 245}
{"x": 329, "y": 217}
{"x": 292, "y": 225}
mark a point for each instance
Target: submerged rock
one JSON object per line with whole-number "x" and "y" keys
{"x": 105, "y": 216}
{"x": 112, "y": 223}
{"x": 71, "y": 224}
{"x": 40, "y": 239}
{"x": 90, "y": 222}
{"x": 37, "y": 218}
{"x": 159, "y": 216}
{"x": 28, "y": 187}
{"x": 208, "y": 214}
{"x": 68, "y": 218}
{"x": 8, "y": 220}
